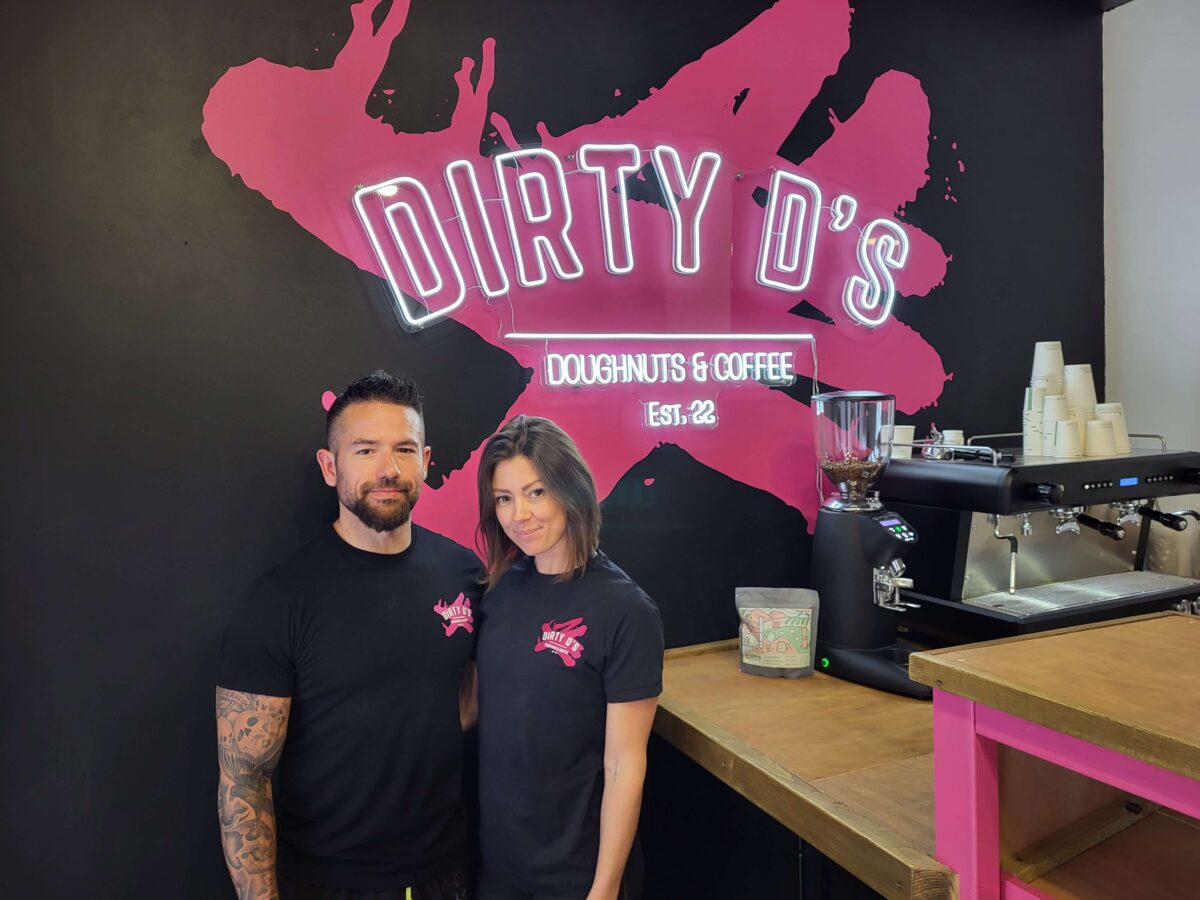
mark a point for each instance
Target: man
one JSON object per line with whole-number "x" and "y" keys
{"x": 341, "y": 674}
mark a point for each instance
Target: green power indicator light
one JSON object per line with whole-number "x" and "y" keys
{"x": 824, "y": 662}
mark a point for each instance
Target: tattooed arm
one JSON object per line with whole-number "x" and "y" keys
{"x": 250, "y": 733}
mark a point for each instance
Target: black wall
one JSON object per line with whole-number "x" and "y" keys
{"x": 167, "y": 333}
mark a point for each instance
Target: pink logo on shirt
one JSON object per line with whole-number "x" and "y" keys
{"x": 560, "y": 639}
{"x": 458, "y": 615}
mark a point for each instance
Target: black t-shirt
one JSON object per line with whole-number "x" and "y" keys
{"x": 371, "y": 649}
{"x": 551, "y": 657}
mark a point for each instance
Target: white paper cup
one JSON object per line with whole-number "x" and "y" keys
{"x": 1066, "y": 440}
{"x": 1115, "y": 413}
{"x": 1048, "y": 364}
{"x": 1055, "y": 411}
{"x": 1031, "y": 434}
{"x": 953, "y": 436}
{"x": 1048, "y": 384}
{"x": 1039, "y": 399}
{"x": 1079, "y": 385}
{"x": 1100, "y": 438}
{"x": 902, "y": 434}
{"x": 1082, "y": 415}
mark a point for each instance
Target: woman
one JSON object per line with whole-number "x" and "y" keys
{"x": 570, "y": 668}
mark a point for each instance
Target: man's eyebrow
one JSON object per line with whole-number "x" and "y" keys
{"x": 371, "y": 442}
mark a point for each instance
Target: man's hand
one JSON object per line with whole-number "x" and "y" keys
{"x": 250, "y": 732}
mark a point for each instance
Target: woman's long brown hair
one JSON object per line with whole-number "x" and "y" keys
{"x": 564, "y": 474}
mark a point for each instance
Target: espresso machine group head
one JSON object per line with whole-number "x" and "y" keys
{"x": 857, "y": 567}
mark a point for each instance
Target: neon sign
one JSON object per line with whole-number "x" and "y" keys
{"x": 399, "y": 219}
{"x": 876, "y": 293}
{"x": 628, "y": 161}
{"x": 686, "y": 209}
{"x": 773, "y": 367}
{"x": 409, "y": 240}
{"x": 548, "y": 242}
{"x": 790, "y": 227}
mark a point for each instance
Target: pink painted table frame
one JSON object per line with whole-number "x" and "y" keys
{"x": 966, "y": 739}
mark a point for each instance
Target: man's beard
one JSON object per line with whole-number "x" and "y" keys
{"x": 385, "y": 515}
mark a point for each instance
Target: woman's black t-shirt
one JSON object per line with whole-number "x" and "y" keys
{"x": 551, "y": 657}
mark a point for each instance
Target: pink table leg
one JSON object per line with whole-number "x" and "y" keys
{"x": 966, "y": 798}
{"x": 966, "y": 737}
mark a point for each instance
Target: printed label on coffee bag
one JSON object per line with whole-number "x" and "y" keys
{"x": 777, "y": 638}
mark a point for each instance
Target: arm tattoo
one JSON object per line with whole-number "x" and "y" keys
{"x": 250, "y": 732}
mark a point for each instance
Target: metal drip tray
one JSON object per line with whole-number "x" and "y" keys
{"x": 1065, "y": 595}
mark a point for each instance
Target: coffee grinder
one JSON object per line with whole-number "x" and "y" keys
{"x": 857, "y": 570}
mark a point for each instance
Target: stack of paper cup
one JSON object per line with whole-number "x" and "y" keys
{"x": 1054, "y": 411}
{"x": 1081, "y": 395}
{"x": 1048, "y": 367}
{"x": 1066, "y": 440}
{"x": 1115, "y": 413}
{"x": 1100, "y": 438}
{"x": 1082, "y": 415}
{"x": 902, "y": 434}
{"x": 1031, "y": 421}
{"x": 1080, "y": 386}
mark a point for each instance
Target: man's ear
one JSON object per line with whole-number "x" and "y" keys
{"x": 328, "y": 463}
{"x": 426, "y": 455}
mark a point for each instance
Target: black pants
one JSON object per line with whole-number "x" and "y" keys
{"x": 494, "y": 887}
{"x": 455, "y": 885}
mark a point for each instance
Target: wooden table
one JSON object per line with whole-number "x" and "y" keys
{"x": 847, "y": 768}
{"x": 1108, "y": 716}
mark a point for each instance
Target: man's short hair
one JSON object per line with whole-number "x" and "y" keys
{"x": 378, "y": 387}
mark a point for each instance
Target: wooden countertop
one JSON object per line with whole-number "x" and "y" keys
{"x": 1130, "y": 685}
{"x": 847, "y": 768}
{"x": 850, "y": 769}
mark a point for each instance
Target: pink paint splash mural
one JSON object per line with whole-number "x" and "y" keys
{"x": 302, "y": 139}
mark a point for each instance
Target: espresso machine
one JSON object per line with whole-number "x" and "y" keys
{"x": 857, "y": 568}
{"x": 1012, "y": 544}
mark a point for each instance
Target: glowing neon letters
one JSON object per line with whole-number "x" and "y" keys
{"x": 406, "y": 231}
{"x": 580, "y": 369}
{"x": 686, "y": 209}
{"x": 613, "y": 163}
{"x": 475, "y": 224}
{"x": 869, "y": 300}
{"x": 790, "y": 229}
{"x": 400, "y": 219}
{"x": 546, "y": 240}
